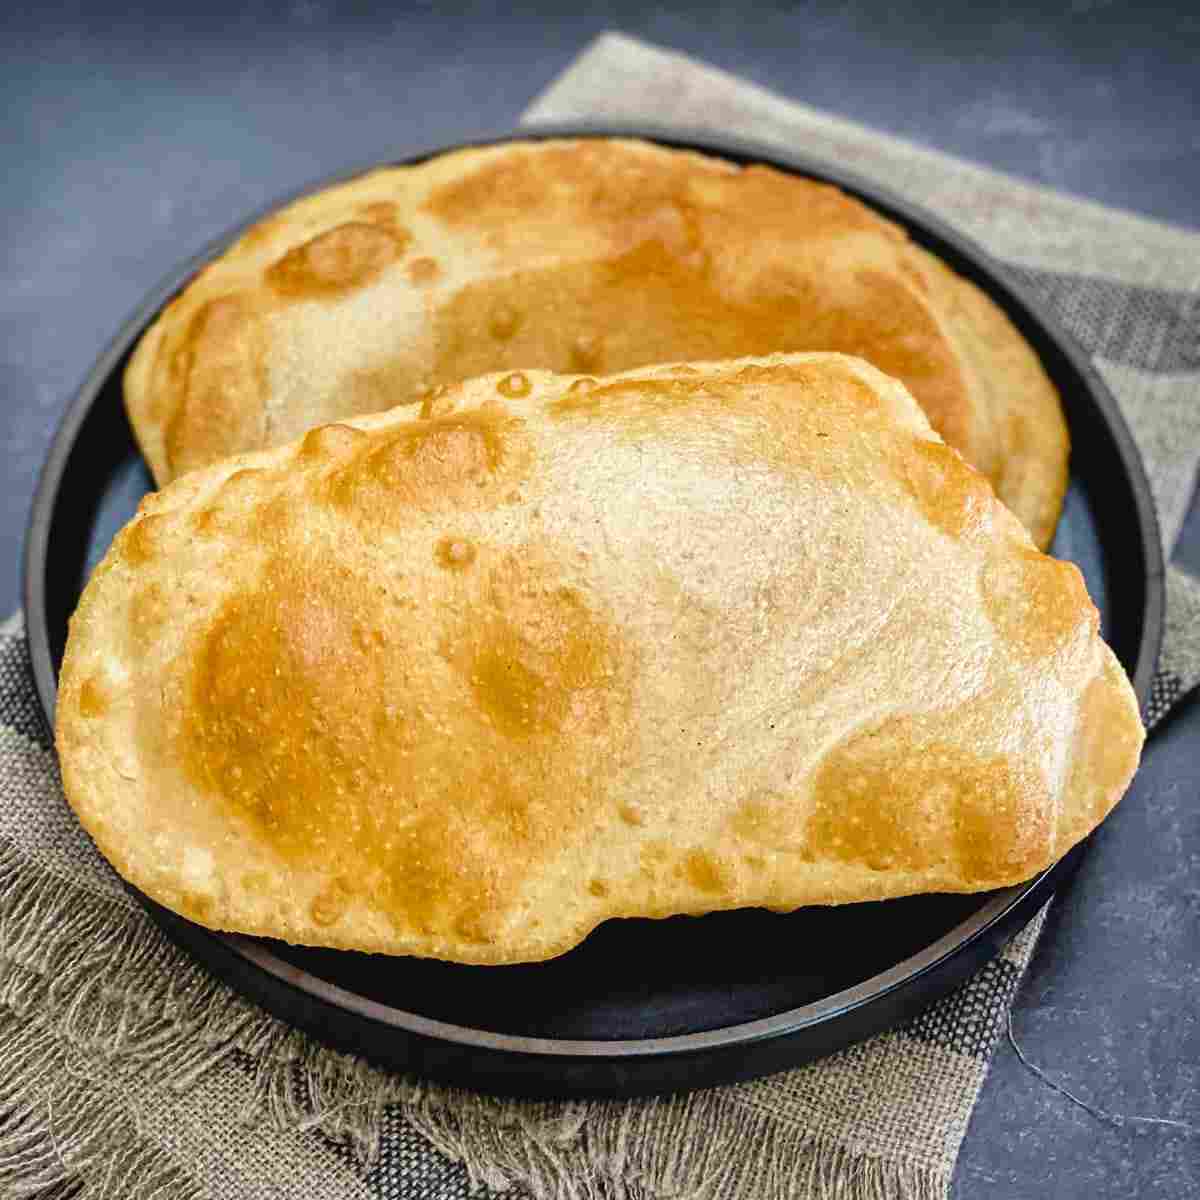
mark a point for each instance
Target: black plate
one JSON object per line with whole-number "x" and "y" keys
{"x": 641, "y": 1006}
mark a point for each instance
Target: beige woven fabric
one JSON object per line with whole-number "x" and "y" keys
{"x": 125, "y": 1071}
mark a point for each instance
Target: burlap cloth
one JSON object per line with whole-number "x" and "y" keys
{"x": 126, "y": 1071}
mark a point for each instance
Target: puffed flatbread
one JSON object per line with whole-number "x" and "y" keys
{"x": 467, "y": 680}
{"x": 590, "y": 256}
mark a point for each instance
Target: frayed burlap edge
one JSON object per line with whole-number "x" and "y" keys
{"x": 60, "y": 1134}
{"x": 678, "y": 1146}
{"x": 86, "y": 982}
{"x": 110, "y": 984}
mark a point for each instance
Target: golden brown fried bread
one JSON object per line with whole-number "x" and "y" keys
{"x": 589, "y": 256}
{"x": 465, "y": 681}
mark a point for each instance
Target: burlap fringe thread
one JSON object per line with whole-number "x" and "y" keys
{"x": 90, "y": 991}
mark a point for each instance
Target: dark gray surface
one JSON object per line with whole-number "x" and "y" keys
{"x": 1109, "y": 1010}
{"x": 131, "y": 137}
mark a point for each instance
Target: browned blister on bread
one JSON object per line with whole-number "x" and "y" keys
{"x": 592, "y": 256}
{"x": 465, "y": 680}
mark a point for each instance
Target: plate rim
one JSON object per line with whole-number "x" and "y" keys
{"x": 903, "y": 975}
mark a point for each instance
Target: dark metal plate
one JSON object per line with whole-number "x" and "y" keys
{"x": 641, "y": 1006}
